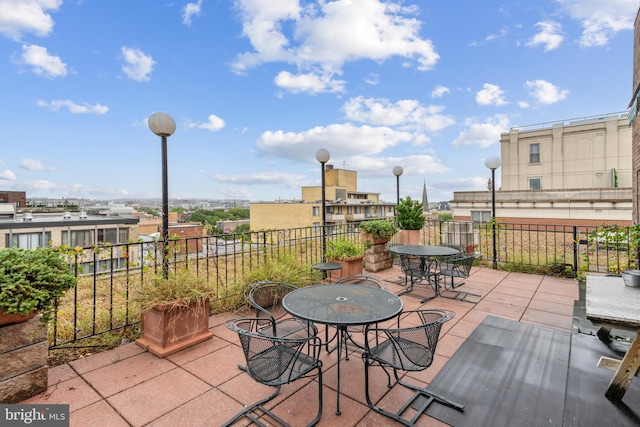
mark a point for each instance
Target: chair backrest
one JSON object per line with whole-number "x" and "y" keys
{"x": 414, "y": 346}
{"x": 266, "y": 298}
{"x": 462, "y": 264}
{"x": 274, "y": 360}
{"x": 410, "y": 264}
{"x": 362, "y": 279}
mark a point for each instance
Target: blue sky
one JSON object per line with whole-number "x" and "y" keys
{"x": 256, "y": 87}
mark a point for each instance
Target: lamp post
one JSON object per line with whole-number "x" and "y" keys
{"x": 163, "y": 125}
{"x": 323, "y": 156}
{"x": 493, "y": 163}
{"x": 397, "y": 171}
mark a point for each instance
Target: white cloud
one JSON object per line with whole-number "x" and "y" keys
{"x": 214, "y": 123}
{"x": 190, "y": 10}
{"x": 503, "y": 32}
{"x": 601, "y": 20}
{"x": 439, "y": 91}
{"x": 342, "y": 141}
{"x": 523, "y": 104}
{"x": 545, "y": 92}
{"x": 310, "y": 83}
{"x": 326, "y": 35}
{"x": 7, "y": 175}
{"x": 482, "y": 134}
{"x": 372, "y": 79}
{"x": 406, "y": 114}
{"x": 27, "y": 16}
{"x": 43, "y": 63}
{"x": 271, "y": 178}
{"x": 420, "y": 164}
{"x": 549, "y": 36}
{"x": 490, "y": 95}
{"x": 74, "y": 108}
{"x": 33, "y": 165}
{"x": 138, "y": 66}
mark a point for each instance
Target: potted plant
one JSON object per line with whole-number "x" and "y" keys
{"x": 410, "y": 220}
{"x": 174, "y": 313}
{"x": 377, "y": 231}
{"x": 347, "y": 253}
{"x": 30, "y": 283}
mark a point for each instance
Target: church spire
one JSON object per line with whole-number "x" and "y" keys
{"x": 425, "y": 200}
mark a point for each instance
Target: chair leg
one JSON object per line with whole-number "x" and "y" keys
{"x": 247, "y": 412}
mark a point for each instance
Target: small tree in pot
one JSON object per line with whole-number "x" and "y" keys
{"x": 378, "y": 231}
{"x": 410, "y": 218}
{"x": 31, "y": 281}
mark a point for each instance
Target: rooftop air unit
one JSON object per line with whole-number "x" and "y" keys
{"x": 28, "y": 216}
{"x": 66, "y": 215}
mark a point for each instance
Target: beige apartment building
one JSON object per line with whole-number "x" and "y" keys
{"x": 30, "y": 230}
{"x": 345, "y": 205}
{"x": 575, "y": 172}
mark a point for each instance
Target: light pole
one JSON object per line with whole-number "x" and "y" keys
{"x": 163, "y": 125}
{"x": 493, "y": 163}
{"x": 397, "y": 171}
{"x": 323, "y": 156}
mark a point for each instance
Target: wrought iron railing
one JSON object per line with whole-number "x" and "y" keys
{"x": 108, "y": 276}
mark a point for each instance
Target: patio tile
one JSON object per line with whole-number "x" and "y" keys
{"x": 546, "y": 318}
{"x": 463, "y": 328}
{"x": 500, "y": 308}
{"x": 100, "y": 412}
{"x": 551, "y": 307}
{"x": 217, "y": 367}
{"x": 106, "y": 358}
{"x": 74, "y": 392}
{"x": 61, "y": 373}
{"x": 448, "y": 344}
{"x": 211, "y": 408}
{"x": 151, "y": 399}
{"x": 199, "y": 350}
{"x": 499, "y": 297}
{"x": 122, "y": 375}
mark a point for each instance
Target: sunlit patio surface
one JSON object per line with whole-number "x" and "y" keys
{"x": 202, "y": 385}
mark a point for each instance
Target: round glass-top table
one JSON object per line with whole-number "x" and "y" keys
{"x": 342, "y": 305}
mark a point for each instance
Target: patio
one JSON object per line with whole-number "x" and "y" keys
{"x": 203, "y": 386}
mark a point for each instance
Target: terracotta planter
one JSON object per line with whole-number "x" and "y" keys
{"x": 350, "y": 267}
{"x": 408, "y": 237}
{"x": 167, "y": 329}
{"x": 9, "y": 319}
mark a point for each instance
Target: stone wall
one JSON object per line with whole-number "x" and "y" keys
{"x": 23, "y": 360}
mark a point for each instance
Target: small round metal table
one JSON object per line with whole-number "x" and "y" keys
{"x": 326, "y": 267}
{"x": 342, "y": 305}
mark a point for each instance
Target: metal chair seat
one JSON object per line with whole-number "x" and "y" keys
{"x": 410, "y": 348}
{"x": 275, "y": 361}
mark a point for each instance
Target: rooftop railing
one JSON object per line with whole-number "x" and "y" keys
{"x": 109, "y": 276}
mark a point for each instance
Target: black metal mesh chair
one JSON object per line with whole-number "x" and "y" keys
{"x": 266, "y": 299}
{"x": 457, "y": 267}
{"x": 275, "y": 361}
{"x": 364, "y": 280}
{"x": 416, "y": 270}
{"x": 410, "y": 348}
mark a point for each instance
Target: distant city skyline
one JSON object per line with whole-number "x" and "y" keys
{"x": 256, "y": 88}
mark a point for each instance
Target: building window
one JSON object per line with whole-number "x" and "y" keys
{"x": 28, "y": 240}
{"x": 480, "y": 216}
{"x": 534, "y": 153}
{"x": 316, "y": 227}
{"x": 113, "y": 235}
{"x": 534, "y": 184}
{"x": 315, "y": 211}
{"x": 73, "y": 238}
